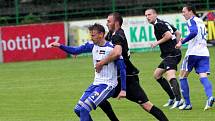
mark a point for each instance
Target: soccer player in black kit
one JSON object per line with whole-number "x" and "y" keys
{"x": 134, "y": 92}
{"x": 167, "y": 37}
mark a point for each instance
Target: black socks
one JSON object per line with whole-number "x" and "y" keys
{"x": 165, "y": 85}
{"x": 175, "y": 88}
{"x": 106, "y": 107}
{"x": 156, "y": 112}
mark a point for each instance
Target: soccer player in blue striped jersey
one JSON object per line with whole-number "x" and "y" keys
{"x": 197, "y": 56}
{"x": 105, "y": 82}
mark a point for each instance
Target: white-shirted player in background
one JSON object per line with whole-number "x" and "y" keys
{"x": 197, "y": 56}
{"x": 104, "y": 82}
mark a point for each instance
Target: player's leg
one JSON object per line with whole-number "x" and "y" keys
{"x": 202, "y": 68}
{"x": 170, "y": 74}
{"x": 155, "y": 111}
{"x": 206, "y": 84}
{"x": 81, "y": 108}
{"x": 85, "y": 95}
{"x": 85, "y": 113}
{"x": 100, "y": 93}
{"x": 170, "y": 65}
{"x": 164, "y": 84}
{"x": 208, "y": 90}
{"x": 186, "y": 68}
{"x": 106, "y": 107}
{"x": 135, "y": 93}
{"x": 185, "y": 90}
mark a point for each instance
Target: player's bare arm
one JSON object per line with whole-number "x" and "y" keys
{"x": 115, "y": 53}
{"x": 178, "y": 36}
{"x": 166, "y": 36}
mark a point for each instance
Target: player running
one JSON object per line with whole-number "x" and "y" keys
{"x": 105, "y": 82}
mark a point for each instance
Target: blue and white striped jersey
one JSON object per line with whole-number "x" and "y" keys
{"x": 108, "y": 74}
{"x": 197, "y": 37}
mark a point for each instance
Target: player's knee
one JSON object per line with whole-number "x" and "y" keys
{"x": 170, "y": 76}
{"x": 181, "y": 77}
{"x": 158, "y": 73}
{"x": 105, "y": 105}
{"x": 84, "y": 110}
{"x": 147, "y": 106}
{"x": 183, "y": 74}
{"x": 157, "y": 76}
{"x": 81, "y": 110}
{"x": 203, "y": 75}
{"x": 77, "y": 110}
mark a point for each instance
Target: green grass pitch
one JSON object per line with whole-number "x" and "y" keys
{"x": 48, "y": 91}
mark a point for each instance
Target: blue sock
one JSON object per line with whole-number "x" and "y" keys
{"x": 77, "y": 110}
{"x": 185, "y": 90}
{"x": 85, "y": 115}
{"x": 207, "y": 86}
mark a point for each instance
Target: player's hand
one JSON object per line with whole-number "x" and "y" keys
{"x": 122, "y": 94}
{"x": 178, "y": 45}
{"x": 53, "y": 44}
{"x": 98, "y": 67}
{"x": 153, "y": 45}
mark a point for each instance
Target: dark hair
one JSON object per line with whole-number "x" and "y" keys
{"x": 153, "y": 10}
{"x": 90, "y": 28}
{"x": 97, "y": 27}
{"x": 191, "y": 7}
{"x": 117, "y": 17}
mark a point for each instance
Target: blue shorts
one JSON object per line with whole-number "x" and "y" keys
{"x": 95, "y": 94}
{"x": 200, "y": 63}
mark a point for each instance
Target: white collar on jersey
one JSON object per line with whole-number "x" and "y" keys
{"x": 114, "y": 33}
{"x": 156, "y": 21}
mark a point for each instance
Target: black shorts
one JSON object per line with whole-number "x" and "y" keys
{"x": 134, "y": 92}
{"x": 170, "y": 62}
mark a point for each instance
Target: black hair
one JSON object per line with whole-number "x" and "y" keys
{"x": 191, "y": 7}
{"x": 153, "y": 10}
{"x": 117, "y": 17}
{"x": 97, "y": 27}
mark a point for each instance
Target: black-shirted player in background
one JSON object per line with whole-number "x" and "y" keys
{"x": 167, "y": 37}
{"x": 134, "y": 92}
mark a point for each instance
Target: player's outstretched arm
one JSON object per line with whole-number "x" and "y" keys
{"x": 87, "y": 47}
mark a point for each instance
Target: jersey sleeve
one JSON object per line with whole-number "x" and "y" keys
{"x": 117, "y": 40}
{"x": 193, "y": 31}
{"x": 162, "y": 27}
{"x": 173, "y": 28}
{"x": 87, "y": 47}
{"x": 122, "y": 69}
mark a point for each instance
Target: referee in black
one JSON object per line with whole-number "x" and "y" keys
{"x": 167, "y": 37}
{"x": 134, "y": 92}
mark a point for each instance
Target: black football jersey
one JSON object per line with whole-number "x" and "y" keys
{"x": 119, "y": 38}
